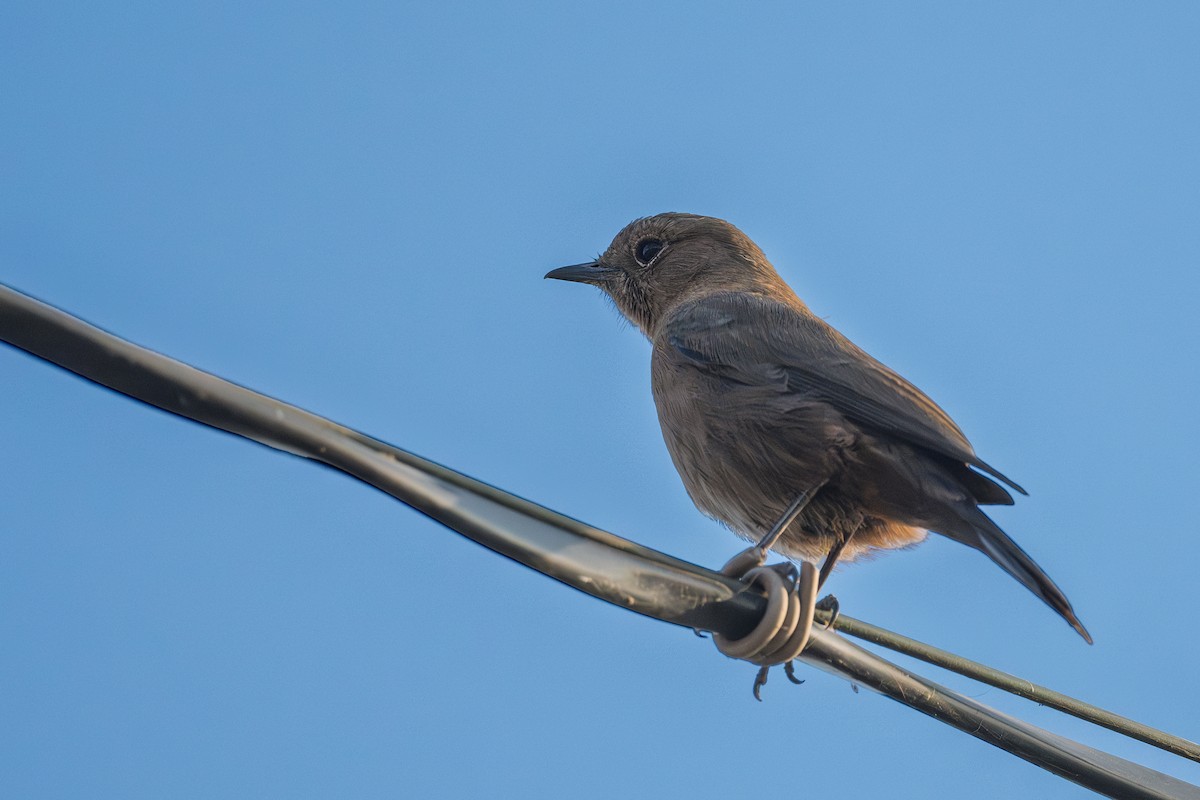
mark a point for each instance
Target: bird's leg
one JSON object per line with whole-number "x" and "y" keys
{"x": 754, "y": 557}
{"x": 789, "y": 516}
{"x": 835, "y": 553}
{"x": 829, "y": 602}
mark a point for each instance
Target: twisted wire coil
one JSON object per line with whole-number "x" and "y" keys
{"x": 784, "y": 630}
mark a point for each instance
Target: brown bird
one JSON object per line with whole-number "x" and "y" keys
{"x": 782, "y": 428}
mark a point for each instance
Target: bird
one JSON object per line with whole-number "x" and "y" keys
{"x": 780, "y": 427}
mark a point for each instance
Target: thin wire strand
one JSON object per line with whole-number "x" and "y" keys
{"x": 1018, "y": 686}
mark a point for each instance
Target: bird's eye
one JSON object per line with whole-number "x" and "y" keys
{"x": 647, "y": 250}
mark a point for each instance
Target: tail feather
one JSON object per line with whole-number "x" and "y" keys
{"x": 986, "y": 536}
{"x": 984, "y": 489}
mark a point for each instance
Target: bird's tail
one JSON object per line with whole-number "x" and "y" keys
{"x": 985, "y": 535}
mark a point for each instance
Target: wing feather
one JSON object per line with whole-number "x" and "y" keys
{"x": 750, "y": 336}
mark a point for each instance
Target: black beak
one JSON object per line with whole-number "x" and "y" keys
{"x": 592, "y": 272}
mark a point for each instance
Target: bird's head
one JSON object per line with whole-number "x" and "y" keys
{"x": 658, "y": 262}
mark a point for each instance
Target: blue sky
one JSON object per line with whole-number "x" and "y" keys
{"x": 350, "y": 206}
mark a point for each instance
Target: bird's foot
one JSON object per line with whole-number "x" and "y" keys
{"x": 784, "y": 630}
{"x": 760, "y": 680}
{"x": 830, "y": 604}
{"x": 786, "y": 570}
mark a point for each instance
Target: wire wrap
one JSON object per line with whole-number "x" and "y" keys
{"x": 786, "y": 625}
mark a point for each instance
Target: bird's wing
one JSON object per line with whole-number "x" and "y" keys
{"x": 743, "y": 335}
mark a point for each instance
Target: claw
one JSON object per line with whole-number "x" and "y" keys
{"x": 699, "y": 633}
{"x": 760, "y": 680}
{"x": 789, "y": 669}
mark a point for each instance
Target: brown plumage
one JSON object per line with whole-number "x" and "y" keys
{"x": 760, "y": 401}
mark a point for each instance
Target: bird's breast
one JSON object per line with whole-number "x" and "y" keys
{"x": 744, "y": 451}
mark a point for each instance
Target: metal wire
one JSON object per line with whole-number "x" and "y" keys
{"x": 1018, "y": 686}
{"x": 591, "y": 560}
